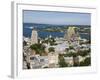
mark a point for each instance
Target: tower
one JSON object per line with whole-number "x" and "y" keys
{"x": 34, "y": 37}
{"x": 72, "y": 34}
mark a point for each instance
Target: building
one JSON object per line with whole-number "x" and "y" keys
{"x": 71, "y": 34}
{"x": 60, "y": 48}
{"x": 69, "y": 61}
{"x": 37, "y": 61}
{"x": 53, "y": 60}
{"x": 34, "y": 37}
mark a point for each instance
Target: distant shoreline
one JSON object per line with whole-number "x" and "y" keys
{"x": 56, "y": 24}
{"x": 45, "y": 30}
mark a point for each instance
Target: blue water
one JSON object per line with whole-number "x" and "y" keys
{"x": 44, "y": 34}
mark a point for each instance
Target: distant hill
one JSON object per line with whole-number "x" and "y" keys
{"x": 51, "y": 25}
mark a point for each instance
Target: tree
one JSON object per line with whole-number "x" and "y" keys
{"x": 24, "y": 43}
{"x": 86, "y": 62}
{"x": 51, "y": 49}
{"x": 39, "y": 48}
{"x": 62, "y": 62}
{"x": 71, "y": 54}
{"x": 50, "y": 40}
{"x": 83, "y": 53}
{"x": 28, "y": 66}
{"x": 71, "y": 47}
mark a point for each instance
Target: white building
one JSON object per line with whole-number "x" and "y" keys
{"x": 69, "y": 61}
{"x": 34, "y": 37}
{"x": 53, "y": 59}
{"x": 37, "y": 61}
{"x": 60, "y": 48}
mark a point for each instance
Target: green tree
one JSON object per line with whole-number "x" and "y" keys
{"x": 51, "y": 49}
{"x": 39, "y": 48}
{"x": 86, "y": 62}
{"x": 83, "y": 53}
{"x": 50, "y": 40}
{"x": 71, "y": 47}
{"x": 62, "y": 62}
{"x": 24, "y": 43}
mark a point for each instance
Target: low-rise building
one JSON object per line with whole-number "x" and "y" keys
{"x": 53, "y": 59}
{"x": 69, "y": 61}
{"x": 37, "y": 61}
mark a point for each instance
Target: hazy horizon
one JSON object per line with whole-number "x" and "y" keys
{"x": 56, "y": 18}
{"x": 56, "y": 24}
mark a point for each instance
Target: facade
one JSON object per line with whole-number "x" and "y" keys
{"x": 69, "y": 61}
{"x": 53, "y": 60}
{"x": 71, "y": 34}
{"x": 37, "y": 61}
{"x": 34, "y": 37}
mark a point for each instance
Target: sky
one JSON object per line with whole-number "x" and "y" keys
{"x": 58, "y": 18}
